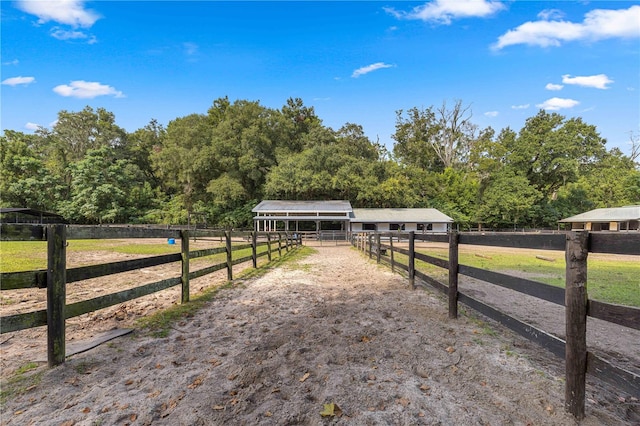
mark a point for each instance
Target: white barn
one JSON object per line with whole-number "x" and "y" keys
{"x": 400, "y": 219}
{"x": 295, "y": 216}
{"x": 608, "y": 219}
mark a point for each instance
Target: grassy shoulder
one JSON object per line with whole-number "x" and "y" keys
{"x": 25, "y": 378}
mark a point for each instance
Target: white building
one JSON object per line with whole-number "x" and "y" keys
{"x": 610, "y": 219}
{"x": 295, "y": 216}
{"x": 399, "y": 219}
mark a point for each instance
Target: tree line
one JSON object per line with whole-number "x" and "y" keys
{"x": 220, "y": 164}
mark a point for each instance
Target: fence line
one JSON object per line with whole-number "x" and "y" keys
{"x": 56, "y": 277}
{"x": 576, "y": 245}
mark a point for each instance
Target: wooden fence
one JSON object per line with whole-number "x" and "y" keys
{"x": 576, "y": 245}
{"x": 56, "y": 277}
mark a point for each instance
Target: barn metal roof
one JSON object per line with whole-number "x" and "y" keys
{"x": 615, "y": 214}
{"x": 400, "y": 215}
{"x": 278, "y": 206}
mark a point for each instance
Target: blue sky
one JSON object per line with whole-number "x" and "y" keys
{"x": 356, "y": 62}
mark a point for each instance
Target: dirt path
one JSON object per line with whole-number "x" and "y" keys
{"x": 334, "y": 329}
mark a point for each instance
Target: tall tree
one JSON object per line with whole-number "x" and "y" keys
{"x": 186, "y": 163}
{"x": 101, "y": 187}
{"x": 435, "y": 139}
{"x": 551, "y": 151}
{"x": 24, "y": 179}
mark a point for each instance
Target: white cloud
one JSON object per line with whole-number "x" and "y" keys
{"x": 555, "y": 104}
{"x": 14, "y": 62}
{"x": 16, "y": 81}
{"x": 31, "y": 126}
{"x": 444, "y": 11}
{"x": 551, "y": 86}
{"x": 62, "y": 34}
{"x": 599, "y": 81}
{"x": 190, "y": 49}
{"x": 524, "y": 106}
{"x": 68, "y": 12}
{"x": 549, "y": 14}
{"x": 86, "y": 90}
{"x": 491, "y": 113}
{"x": 598, "y": 24}
{"x": 370, "y": 68}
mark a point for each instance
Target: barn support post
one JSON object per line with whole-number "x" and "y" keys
{"x": 454, "y": 238}
{"x": 393, "y": 263}
{"x": 56, "y": 293}
{"x": 254, "y": 250}
{"x": 184, "y": 254}
{"x": 378, "y": 248}
{"x": 269, "y": 247}
{"x": 227, "y": 236}
{"x": 577, "y": 249}
{"x": 412, "y": 260}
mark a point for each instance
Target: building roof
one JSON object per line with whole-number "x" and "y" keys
{"x": 277, "y": 206}
{"x": 400, "y": 216}
{"x": 6, "y": 213}
{"x": 615, "y": 214}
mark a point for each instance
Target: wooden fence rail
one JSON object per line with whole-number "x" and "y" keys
{"x": 577, "y": 246}
{"x": 56, "y": 277}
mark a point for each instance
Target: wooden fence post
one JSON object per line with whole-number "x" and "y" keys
{"x": 393, "y": 264}
{"x": 227, "y": 235}
{"x": 286, "y": 241}
{"x": 56, "y": 293}
{"x": 184, "y": 252}
{"x": 378, "y": 246}
{"x": 576, "y": 253}
{"x": 412, "y": 260}
{"x": 370, "y": 239}
{"x": 254, "y": 249}
{"x": 453, "y": 274}
{"x": 269, "y": 247}
{"x": 279, "y": 245}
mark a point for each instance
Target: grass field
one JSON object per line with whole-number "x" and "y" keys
{"x": 613, "y": 279}
{"x": 16, "y": 256}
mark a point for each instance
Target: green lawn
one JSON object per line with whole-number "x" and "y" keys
{"x": 609, "y": 280}
{"x": 18, "y": 256}
{"x": 31, "y": 255}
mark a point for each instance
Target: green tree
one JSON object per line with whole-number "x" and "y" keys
{"x": 24, "y": 179}
{"x": 551, "y": 151}
{"x": 507, "y": 201}
{"x": 141, "y": 145}
{"x": 185, "y": 162}
{"x": 101, "y": 185}
{"x": 435, "y": 139}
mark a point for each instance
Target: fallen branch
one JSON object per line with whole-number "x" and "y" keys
{"x": 548, "y": 259}
{"x": 482, "y": 256}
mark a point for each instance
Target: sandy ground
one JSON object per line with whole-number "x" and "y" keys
{"x": 333, "y": 329}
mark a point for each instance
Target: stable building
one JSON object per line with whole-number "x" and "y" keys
{"x": 29, "y": 216}
{"x": 295, "y": 216}
{"x": 607, "y": 219}
{"x": 400, "y": 219}
{"x": 337, "y": 215}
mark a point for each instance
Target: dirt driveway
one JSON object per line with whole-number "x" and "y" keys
{"x": 333, "y": 339}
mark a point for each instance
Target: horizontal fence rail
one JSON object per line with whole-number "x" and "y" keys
{"x": 576, "y": 246}
{"x": 56, "y": 277}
